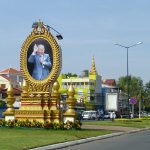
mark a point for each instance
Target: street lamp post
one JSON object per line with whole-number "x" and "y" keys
{"x": 127, "y": 48}
{"x": 35, "y": 25}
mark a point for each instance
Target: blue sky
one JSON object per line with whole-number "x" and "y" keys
{"x": 89, "y": 27}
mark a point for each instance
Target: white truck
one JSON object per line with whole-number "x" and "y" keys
{"x": 89, "y": 115}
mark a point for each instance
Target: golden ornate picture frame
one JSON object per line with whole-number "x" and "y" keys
{"x": 45, "y": 84}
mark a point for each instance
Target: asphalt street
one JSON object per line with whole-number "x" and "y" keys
{"x": 132, "y": 141}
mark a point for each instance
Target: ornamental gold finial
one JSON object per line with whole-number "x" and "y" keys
{"x": 24, "y": 83}
{"x": 93, "y": 67}
{"x": 10, "y": 90}
{"x": 56, "y": 87}
{"x": 40, "y": 23}
{"x": 71, "y": 91}
{"x": 10, "y": 100}
{"x": 70, "y": 114}
{"x": 24, "y": 89}
{"x": 55, "y": 97}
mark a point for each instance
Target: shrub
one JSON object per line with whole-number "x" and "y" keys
{"x": 68, "y": 125}
{"x": 62, "y": 125}
{"x": 2, "y": 103}
{"x": 36, "y": 124}
{"x": 146, "y": 118}
{"x": 19, "y": 123}
{"x": 56, "y": 125}
{"x": 10, "y": 123}
{"x": 128, "y": 120}
{"x": 47, "y": 125}
{"x": 77, "y": 124}
{"x": 2, "y": 122}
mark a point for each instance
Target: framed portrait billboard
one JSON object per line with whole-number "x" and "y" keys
{"x": 40, "y": 60}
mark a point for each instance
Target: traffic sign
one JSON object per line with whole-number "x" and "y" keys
{"x": 133, "y": 100}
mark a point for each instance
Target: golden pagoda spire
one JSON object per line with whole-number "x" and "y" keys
{"x": 93, "y": 67}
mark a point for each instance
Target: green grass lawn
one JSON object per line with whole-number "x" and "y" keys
{"x": 21, "y": 139}
{"x": 130, "y": 123}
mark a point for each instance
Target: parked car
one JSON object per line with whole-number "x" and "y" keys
{"x": 100, "y": 117}
{"x": 107, "y": 115}
{"x": 125, "y": 116}
{"x": 91, "y": 114}
{"x": 79, "y": 115}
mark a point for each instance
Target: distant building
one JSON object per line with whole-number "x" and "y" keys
{"x": 10, "y": 76}
{"x": 1, "y": 92}
{"x": 109, "y": 86}
{"x": 109, "y": 82}
{"x": 87, "y": 87}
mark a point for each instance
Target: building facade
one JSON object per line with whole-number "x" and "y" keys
{"x": 109, "y": 87}
{"x": 10, "y": 76}
{"x": 87, "y": 87}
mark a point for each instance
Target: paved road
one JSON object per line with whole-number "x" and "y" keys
{"x": 134, "y": 141}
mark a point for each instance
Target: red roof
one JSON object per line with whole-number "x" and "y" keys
{"x": 10, "y": 71}
{"x": 7, "y": 78}
{"x": 110, "y": 82}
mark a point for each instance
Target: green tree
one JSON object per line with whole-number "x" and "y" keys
{"x": 146, "y": 97}
{"x": 2, "y": 103}
{"x": 135, "y": 85}
{"x": 86, "y": 73}
{"x": 68, "y": 75}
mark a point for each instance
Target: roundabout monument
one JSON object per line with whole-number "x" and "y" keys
{"x": 40, "y": 64}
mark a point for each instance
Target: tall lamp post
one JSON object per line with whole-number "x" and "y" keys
{"x": 127, "y": 48}
{"x": 36, "y": 24}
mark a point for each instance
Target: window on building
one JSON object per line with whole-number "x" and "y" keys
{"x": 78, "y": 84}
{"x": 82, "y": 84}
{"x": 2, "y": 85}
{"x": 75, "y": 84}
{"x": 64, "y": 84}
{"x": 13, "y": 77}
{"x": 20, "y": 79}
{"x": 92, "y": 98}
{"x": 86, "y": 84}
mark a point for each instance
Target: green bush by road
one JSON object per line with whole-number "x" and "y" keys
{"x": 136, "y": 123}
{"x": 2, "y": 103}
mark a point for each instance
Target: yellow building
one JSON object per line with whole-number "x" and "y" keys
{"x": 87, "y": 88}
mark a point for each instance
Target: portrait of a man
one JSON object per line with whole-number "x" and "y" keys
{"x": 39, "y": 62}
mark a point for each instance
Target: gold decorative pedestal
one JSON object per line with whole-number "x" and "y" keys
{"x": 39, "y": 106}
{"x": 10, "y": 112}
{"x": 55, "y": 113}
{"x": 70, "y": 114}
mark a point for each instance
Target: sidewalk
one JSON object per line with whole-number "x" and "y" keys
{"x": 113, "y": 128}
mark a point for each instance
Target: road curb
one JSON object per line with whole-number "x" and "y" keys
{"x": 76, "y": 142}
{"x": 81, "y": 141}
{"x": 137, "y": 130}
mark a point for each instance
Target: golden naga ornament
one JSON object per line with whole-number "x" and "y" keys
{"x": 40, "y": 39}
